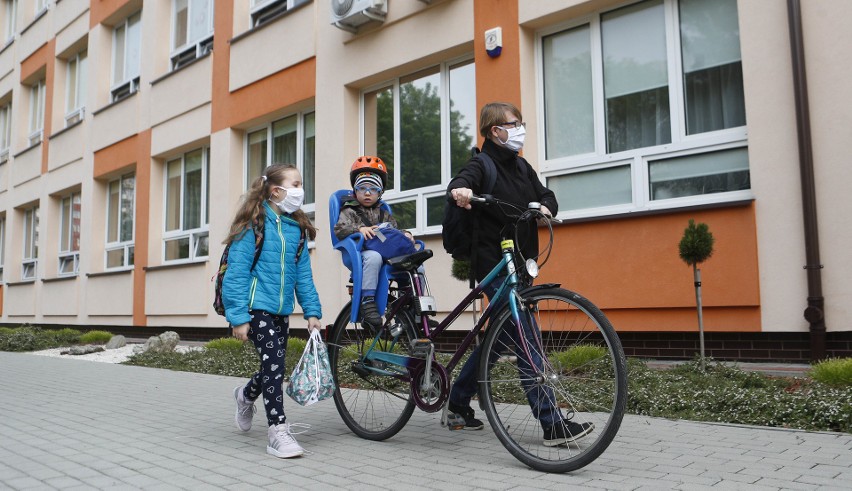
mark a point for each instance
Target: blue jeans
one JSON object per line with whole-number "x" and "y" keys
{"x": 541, "y": 399}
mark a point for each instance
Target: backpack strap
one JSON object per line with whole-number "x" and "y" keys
{"x": 366, "y": 221}
{"x": 258, "y": 241}
{"x": 301, "y": 246}
{"x": 490, "y": 172}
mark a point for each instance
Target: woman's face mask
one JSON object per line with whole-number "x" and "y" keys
{"x": 515, "y": 139}
{"x": 292, "y": 200}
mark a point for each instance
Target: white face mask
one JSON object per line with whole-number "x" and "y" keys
{"x": 515, "y": 139}
{"x": 292, "y": 201}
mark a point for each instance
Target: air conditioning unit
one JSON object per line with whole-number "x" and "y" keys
{"x": 351, "y": 14}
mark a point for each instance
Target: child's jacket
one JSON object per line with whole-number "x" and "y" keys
{"x": 276, "y": 280}
{"x": 349, "y": 222}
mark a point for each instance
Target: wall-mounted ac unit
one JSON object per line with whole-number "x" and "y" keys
{"x": 350, "y": 14}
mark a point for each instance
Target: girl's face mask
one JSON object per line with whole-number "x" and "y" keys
{"x": 292, "y": 201}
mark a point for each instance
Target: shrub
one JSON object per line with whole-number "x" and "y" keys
{"x": 24, "y": 339}
{"x": 225, "y": 344}
{"x": 95, "y": 337}
{"x": 65, "y": 337}
{"x": 836, "y": 372}
{"x": 579, "y": 357}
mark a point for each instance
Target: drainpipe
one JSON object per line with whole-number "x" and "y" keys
{"x": 814, "y": 313}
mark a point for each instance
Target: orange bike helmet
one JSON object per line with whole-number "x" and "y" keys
{"x": 371, "y": 164}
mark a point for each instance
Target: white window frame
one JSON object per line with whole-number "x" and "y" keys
{"x": 5, "y": 131}
{"x": 639, "y": 158}
{"x": 29, "y": 258}
{"x": 10, "y": 12}
{"x": 2, "y": 247}
{"x": 392, "y": 196}
{"x": 41, "y": 6}
{"x": 129, "y": 82}
{"x": 308, "y": 208}
{"x": 262, "y": 11}
{"x": 75, "y": 104}
{"x": 68, "y": 256}
{"x": 126, "y": 246}
{"x": 191, "y": 50}
{"x": 195, "y": 235}
{"x": 36, "y": 129}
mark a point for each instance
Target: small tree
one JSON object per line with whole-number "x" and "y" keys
{"x": 696, "y": 246}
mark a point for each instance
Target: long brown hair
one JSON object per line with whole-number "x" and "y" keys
{"x": 251, "y": 208}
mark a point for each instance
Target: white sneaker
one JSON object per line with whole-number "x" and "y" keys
{"x": 281, "y": 442}
{"x": 245, "y": 410}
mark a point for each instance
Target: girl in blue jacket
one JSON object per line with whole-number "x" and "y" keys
{"x": 258, "y": 300}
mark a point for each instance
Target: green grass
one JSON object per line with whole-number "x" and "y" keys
{"x": 578, "y": 357}
{"x": 836, "y": 372}
{"x": 224, "y": 344}
{"x": 95, "y": 337}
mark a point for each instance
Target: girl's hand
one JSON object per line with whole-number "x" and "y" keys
{"x": 241, "y": 332}
{"x": 314, "y": 324}
{"x": 368, "y": 232}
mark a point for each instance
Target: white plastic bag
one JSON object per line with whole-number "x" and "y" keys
{"x": 311, "y": 380}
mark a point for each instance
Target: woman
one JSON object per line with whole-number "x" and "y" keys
{"x": 502, "y": 126}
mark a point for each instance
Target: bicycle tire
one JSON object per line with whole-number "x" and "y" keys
{"x": 584, "y": 390}
{"x": 375, "y": 407}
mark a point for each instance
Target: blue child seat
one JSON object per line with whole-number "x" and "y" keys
{"x": 350, "y": 250}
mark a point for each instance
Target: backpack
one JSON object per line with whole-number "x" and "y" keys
{"x": 388, "y": 242}
{"x": 218, "y": 303}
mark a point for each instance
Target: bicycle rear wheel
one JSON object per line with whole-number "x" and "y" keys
{"x": 561, "y": 410}
{"x": 374, "y": 405}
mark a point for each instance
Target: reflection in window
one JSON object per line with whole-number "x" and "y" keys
{"x": 76, "y": 86}
{"x": 592, "y": 189}
{"x": 121, "y": 197}
{"x": 704, "y": 173}
{"x": 30, "y": 252}
{"x": 405, "y": 213}
{"x": 126, "y": 47}
{"x": 186, "y": 213}
{"x": 193, "y": 30}
{"x": 69, "y": 235}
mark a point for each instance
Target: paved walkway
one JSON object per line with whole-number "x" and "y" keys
{"x": 72, "y": 424}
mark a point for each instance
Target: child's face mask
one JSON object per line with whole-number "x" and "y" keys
{"x": 293, "y": 199}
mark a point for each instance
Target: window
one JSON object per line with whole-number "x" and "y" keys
{"x": 121, "y": 204}
{"x": 36, "y": 113}
{"x": 192, "y": 30}
{"x": 40, "y": 6}
{"x": 262, "y": 11}
{"x": 286, "y": 141}
{"x": 126, "y": 46}
{"x": 10, "y": 13}
{"x": 69, "y": 235}
{"x": 423, "y": 126}
{"x": 2, "y": 245}
{"x": 187, "y": 211}
{"x": 30, "y": 255}
{"x": 637, "y": 99}
{"x": 5, "y": 131}
{"x": 75, "y": 101}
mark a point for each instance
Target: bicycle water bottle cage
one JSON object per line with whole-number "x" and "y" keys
{"x": 411, "y": 261}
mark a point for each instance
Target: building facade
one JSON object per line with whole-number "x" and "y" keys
{"x": 129, "y": 130}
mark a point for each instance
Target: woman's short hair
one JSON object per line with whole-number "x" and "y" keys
{"x": 494, "y": 113}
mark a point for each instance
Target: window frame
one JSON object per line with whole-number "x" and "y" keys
{"x": 682, "y": 144}
{"x": 29, "y": 258}
{"x": 263, "y": 11}
{"x": 10, "y": 21}
{"x": 191, "y": 50}
{"x": 70, "y": 255}
{"x": 2, "y": 248}
{"x": 5, "y": 131}
{"x": 36, "y": 122}
{"x": 45, "y": 4}
{"x": 127, "y": 86}
{"x": 195, "y": 235}
{"x": 78, "y": 111}
{"x": 421, "y": 196}
{"x": 127, "y": 246}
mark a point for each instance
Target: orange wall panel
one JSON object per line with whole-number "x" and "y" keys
{"x": 101, "y": 9}
{"x": 116, "y": 156}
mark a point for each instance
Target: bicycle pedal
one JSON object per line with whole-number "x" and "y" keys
{"x": 455, "y": 422}
{"x": 421, "y": 348}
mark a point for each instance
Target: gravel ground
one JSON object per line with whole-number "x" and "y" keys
{"x": 117, "y": 355}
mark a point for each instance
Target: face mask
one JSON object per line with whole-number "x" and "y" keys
{"x": 515, "y": 140}
{"x": 292, "y": 201}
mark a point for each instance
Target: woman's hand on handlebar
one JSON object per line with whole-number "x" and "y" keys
{"x": 462, "y": 197}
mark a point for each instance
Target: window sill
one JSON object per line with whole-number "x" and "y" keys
{"x": 176, "y": 70}
{"x": 114, "y": 103}
{"x": 161, "y": 267}
{"x": 22, "y": 282}
{"x": 63, "y": 130}
{"x": 268, "y": 22}
{"x": 27, "y": 150}
{"x": 9, "y": 42}
{"x": 59, "y": 278}
{"x": 109, "y": 273}
{"x": 35, "y": 19}
{"x": 659, "y": 211}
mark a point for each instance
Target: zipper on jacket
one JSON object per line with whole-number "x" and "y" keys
{"x": 283, "y": 265}
{"x": 251, "y": 295}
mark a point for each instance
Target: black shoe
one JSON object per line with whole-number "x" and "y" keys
{"x": 370, "y": 314}
{"x": 470, "y": 423}
{"x": 566, "y": 432}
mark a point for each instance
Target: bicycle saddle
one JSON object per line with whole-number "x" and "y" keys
{"x": 410, "y": 262}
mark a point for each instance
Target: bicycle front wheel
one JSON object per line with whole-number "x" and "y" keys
{"x": 373, "y": 403}
{"x": 555, "y": 398}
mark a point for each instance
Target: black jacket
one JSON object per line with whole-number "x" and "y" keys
{"x": 510, "y": 186}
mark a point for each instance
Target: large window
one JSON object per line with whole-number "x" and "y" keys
{"x": 5, "y": 130}
{"x": 75, "y": 88}
{"x": 287, "y": 141}
{"x": 2, "y": 245}
{"x": 262, "y": 11}
{"x": 187, "y": 211}
{"x": 423, "y": 126}
{"x": 36, "y": 130}
{"x": 69, "y": 235}
{"x": 644, "y": 104}
{"x": 126, "y": 47}
{"x": 40, "y": 6}
{"x": 121, "y": 204}
{"x": 29, "y": 263}
{"x": 192, "y": 30}
{"x": 10, "y": 13}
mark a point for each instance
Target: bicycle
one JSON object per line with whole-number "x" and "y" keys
{"x": 546, "y": 349}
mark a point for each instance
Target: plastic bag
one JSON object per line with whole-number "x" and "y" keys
{"x": 311, "y": 380}
{"x": 390, "y": 242}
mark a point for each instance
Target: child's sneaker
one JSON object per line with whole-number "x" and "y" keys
{"x": 281, "y": 442}
{"x": 470, "y": 423}
{"x": 370, "y": 313}
{"x": 566, "y": 432}
{"x": 245, "y": 410}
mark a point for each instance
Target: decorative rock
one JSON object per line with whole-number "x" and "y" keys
{"x": 163, "y": 343}
{"x": 116, "y": 341}
{"x": 84, "y": 350}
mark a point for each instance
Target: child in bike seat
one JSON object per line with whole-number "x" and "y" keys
{"x": 368, "y": 176}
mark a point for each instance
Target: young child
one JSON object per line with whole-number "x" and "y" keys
{"x": 368, "y": 177}
{"x": 259, "y": 300}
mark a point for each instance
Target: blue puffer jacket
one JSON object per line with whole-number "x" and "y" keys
{"x": 276, "y": 280}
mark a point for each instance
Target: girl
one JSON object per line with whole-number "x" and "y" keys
{"x": 259, "y": 299}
